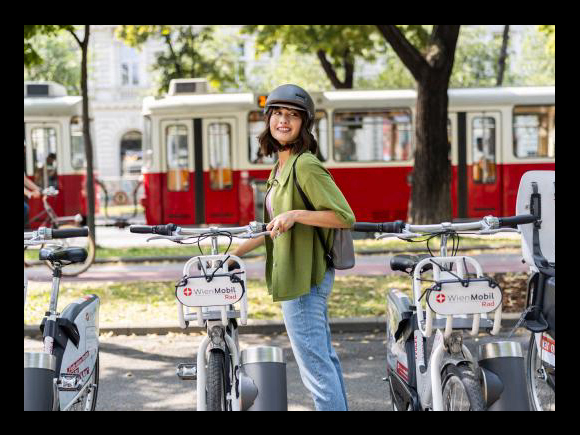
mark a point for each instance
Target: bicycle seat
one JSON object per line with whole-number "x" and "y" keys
{"x": 71, "y": 255}
{"x": 406, "y": 263}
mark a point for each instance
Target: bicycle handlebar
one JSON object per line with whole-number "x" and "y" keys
{"x": 163, "y": 230}
{"x": 172, "y": 229}
{"x": 487, "y": 223}
{"x": 70, "y": 232}
{"x": 384, "y": 227}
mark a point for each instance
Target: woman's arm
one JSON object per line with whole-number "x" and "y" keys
{"x": 284, "y": 221}
{"x": 247, "y": 246}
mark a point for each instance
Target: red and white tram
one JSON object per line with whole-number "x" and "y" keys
{"x": 201, "y": 164}
{"x": 54, "y": 153}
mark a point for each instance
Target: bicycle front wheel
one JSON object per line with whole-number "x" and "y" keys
{"x": 216, "y": 382}
{"x": 542, "y": 394}
{"x": 461, "y": 390}
{"x": 83, "y": 242}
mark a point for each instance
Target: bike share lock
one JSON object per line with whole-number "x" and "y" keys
{"x": 504, "y": 382}
{"x": 39, "y": 375}
{"x": 263, "y": 379}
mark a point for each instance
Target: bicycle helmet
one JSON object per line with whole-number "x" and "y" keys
{"x": 291, "y": 97}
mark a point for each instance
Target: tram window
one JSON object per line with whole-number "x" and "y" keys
{"x": 256, "y": 126}
{"x": 147, "y": 145}
{"x": 77, "y": 147}
{"x": 483, "y": 140}
{"x": 220, "y": 167}
{"x": 44, "y": 156}
{"x": 534, "y": 131}
{"x": 131, "y": 153}
{"x": 177, "y": 158}
{"x": 372, "y": 136}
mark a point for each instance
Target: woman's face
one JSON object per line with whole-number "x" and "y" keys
{"x": 285, "y": 125}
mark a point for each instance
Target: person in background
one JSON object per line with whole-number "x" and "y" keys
{"x": 30, "y": 190}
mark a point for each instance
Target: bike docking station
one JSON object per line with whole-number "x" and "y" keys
{"x": 424, "y": 368}
{"x": 65, "y": 375}
{"x": 206, "y": 295}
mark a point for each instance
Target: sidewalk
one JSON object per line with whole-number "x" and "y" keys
{"x": 349, "y": 324}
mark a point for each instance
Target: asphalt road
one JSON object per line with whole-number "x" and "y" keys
{"x": 365, "y": 265}
{"x": 138, "y": 372}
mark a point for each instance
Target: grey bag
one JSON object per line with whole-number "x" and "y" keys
{"x": 341, "y": 256}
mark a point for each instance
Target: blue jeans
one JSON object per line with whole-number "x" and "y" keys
{"x": 306, "y": 319}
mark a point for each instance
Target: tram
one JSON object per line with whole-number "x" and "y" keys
{"x": 54, "y": 153}
{"x": 201, "y": 163}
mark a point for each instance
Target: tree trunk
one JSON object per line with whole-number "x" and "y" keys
{"x": 430, "y": 194}
{"x": 503, "y": 55}
{"x": 90, "y": 186}
{"x": 430, "y": 200}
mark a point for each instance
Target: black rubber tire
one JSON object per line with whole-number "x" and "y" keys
{"x": 215, "y": 395}
{"x": 470, "y": 383}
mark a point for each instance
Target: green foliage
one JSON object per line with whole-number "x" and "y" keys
{"x": 190, "y": 52}
{"x": 536, "y": 66}
{"x": 63, "y": 61}
{"x": 31, "y": 57}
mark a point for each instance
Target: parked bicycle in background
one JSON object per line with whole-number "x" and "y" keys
{"x": 49, "y": 219}
{"x": 428, "y": 366}
{"x": 253, "y": 379}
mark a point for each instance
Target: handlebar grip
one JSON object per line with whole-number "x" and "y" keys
{"x": 513, "y": 221}
{"x": 163, "y": 230}
{"x": 384, "y": 227}
{"x": 70, "y": 232}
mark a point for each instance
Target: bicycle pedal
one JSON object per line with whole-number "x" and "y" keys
{"x": 187, "y": 372}
{"x": 69, "y": 382}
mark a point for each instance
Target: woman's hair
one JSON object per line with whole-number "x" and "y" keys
{"x": 305, "y": 141}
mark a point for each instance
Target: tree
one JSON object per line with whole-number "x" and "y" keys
{"x": 431, "y": 183}
{"x": 64, "y": 66}
{"x": 31, "y": 57}
{"x": 335, "y": 46}
{"x": 190, "y": 52}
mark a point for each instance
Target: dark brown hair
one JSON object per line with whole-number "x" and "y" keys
{"x": 305, "y": 141}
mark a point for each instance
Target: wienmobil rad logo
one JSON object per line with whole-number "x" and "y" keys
{"x": 441, "y": 298}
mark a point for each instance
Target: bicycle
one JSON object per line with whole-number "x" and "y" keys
{"x": 49, "y": 219}
{"x": 65, "y": 375}
{"x": 208, "y": 290}
{"x": 536, "y": 195}
{"x": 449, "y": 378}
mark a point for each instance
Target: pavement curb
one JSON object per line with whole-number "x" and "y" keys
{"x": 351, "y": 324}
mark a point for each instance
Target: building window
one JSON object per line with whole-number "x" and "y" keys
{"x": 129, "y": 58}
{"x": 534, "y": 131}
{"x": 483, "y": 142}
{"x": 220, "y": 167}
{"x": 372, "y": 136}
{"x": 177, "y": 158}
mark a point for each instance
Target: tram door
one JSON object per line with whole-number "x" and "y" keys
{"x": 178, "y": 181}
{"x": 483, "y": 161}
{"x": 221, "y": 185}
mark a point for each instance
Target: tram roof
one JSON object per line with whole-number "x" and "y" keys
{"x": 53, "y": 106}
{"x": 353, "y": 98}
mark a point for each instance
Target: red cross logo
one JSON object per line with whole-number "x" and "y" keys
{"x": 187, "y": 291}
{"x": 440, "y": 298}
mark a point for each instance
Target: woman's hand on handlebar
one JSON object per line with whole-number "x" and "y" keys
{"x": 281, "y": 223}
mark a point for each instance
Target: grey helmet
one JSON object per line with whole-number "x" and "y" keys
{"x": 292, "y": 97}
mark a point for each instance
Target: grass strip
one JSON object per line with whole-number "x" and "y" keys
{"x": 143, "y": 303}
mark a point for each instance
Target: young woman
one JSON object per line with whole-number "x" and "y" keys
{"x": 296, "y": 270}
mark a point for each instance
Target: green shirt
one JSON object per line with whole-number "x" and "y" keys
{"x": 295, "y": 260}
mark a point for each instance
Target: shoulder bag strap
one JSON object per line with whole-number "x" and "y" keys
{"x": 310, "y": 207}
